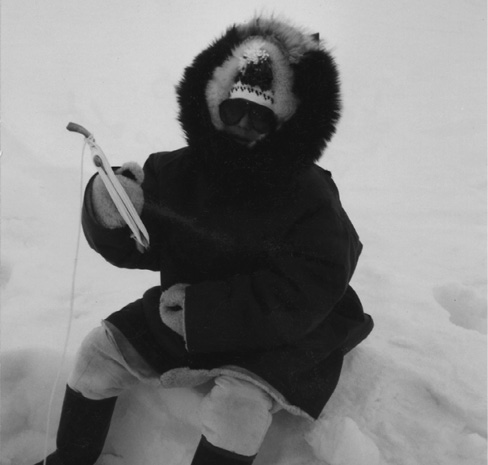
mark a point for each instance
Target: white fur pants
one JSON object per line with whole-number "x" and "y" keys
{"x": 235, "y": 415}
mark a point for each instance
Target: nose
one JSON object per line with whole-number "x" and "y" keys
{"x": 244, "y": 123}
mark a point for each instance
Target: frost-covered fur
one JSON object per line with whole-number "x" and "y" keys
{"x": 224, "y": 77}
{"x": 172, "y": 308}
{"x": 295, "y": 41}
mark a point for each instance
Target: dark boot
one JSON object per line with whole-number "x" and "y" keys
{"x": 208, "y": 454}
{"x": 82, "y": 431}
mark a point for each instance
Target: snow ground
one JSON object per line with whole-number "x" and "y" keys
{"x": 410, "y": 161}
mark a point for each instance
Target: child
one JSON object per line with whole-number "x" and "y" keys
{"x": 254, "y": 251}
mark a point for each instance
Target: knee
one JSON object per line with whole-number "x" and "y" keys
{"x": 236, "y": 415}
{"x": 98, "y": 372}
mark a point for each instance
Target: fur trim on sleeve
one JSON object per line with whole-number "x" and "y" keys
{"x": 172, "y": 308}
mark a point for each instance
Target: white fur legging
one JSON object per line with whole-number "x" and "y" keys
{"x": 235, "y": 415}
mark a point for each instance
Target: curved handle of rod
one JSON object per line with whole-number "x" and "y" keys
{"x": 73, "y": 127}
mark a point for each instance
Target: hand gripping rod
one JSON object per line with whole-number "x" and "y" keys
{"x": 115, "y": 189}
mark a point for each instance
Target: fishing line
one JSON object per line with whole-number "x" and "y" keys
{"x": 71, "y": 310}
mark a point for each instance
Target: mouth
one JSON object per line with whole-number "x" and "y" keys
{"x": 242, "y": 140}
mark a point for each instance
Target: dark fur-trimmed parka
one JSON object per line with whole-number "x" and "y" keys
{"x": 254, "y": 250}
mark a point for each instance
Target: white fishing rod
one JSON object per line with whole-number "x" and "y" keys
{"x": 115, "y": 189}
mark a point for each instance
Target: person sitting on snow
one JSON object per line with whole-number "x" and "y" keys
{"x": 254, "y": 250}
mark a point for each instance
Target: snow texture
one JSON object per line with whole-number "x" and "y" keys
{"x": 409, "y": 158}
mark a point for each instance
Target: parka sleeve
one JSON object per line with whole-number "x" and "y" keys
{"x": 116, "y": 245}
{"x": 283, "y": 302}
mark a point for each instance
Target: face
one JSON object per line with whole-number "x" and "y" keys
{"x": 243, "y": 133}
{"x": 247, "y": 122}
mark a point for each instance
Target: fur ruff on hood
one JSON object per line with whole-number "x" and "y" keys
{"x": 307, "y": 103}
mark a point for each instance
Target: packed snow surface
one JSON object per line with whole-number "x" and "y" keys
{"x": 409, "y": 160}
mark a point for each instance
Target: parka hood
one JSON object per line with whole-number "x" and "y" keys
{"x": 305, "y": 88}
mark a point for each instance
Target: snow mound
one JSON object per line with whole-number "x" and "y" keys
{"x": 339, "y": 441}
{"x": 27, "y": 379}
{"x": 396, "y": 393}
{"x": 5, "y": 273}
{"x": 466, "y": 305}
{"x": 385, "y": 403}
